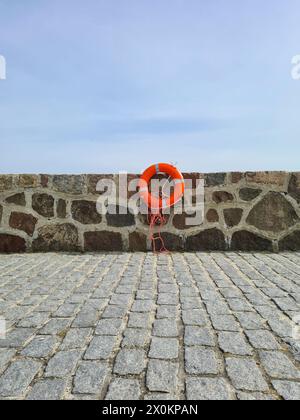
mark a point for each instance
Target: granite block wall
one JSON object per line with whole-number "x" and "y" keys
{"x": 257, "y": 211}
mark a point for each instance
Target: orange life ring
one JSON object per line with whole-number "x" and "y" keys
{"x": 158, "y": 203}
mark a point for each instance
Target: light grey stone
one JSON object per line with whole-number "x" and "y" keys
{"x": 251, "y": 321}
{"x": 135, "y": 337}
{"x": 62, "y": 364}
{"x": 262, "y": 339}
{"x": 197, "y": 336}
{"x": 34, "y": 320}
{"x": 245, "y": 375}
{"x": 217, "y": 308}
{"x": 167, "y": 299}
{"x": 225, "y": 323}
{"x": 156, "y": 396}
{"x": 76, "y": 338}
{"x": 201, "y": 361}
{"x": 101, "y": 347}
{"x": 165, "y": 328}
{"x": 162, "y": 376}
{"x": 142, "y": 306}
{"x": 209, "y": 389}
{"x": 145, "y": 294}
{"x": 255, "y": 396}
{"x": 17, "y": 377}
{"x": 17, "y": 337}
{"x": 120, "y": 299}
{"x": 67, "y": 310}
{"x": 47, "y": 389}
{"x": 190, "y": 303}
{"x": 289, "y": 391}
{"x": 86, "y": 318}
{"x": 130, "y": 362}
{"x": 41, "y": 346}
{"x": 194, "y": 317}
{"x": 90, "y": 377}
{"x": 240, "y": 305}
{"x": 113, "y": 311}
{"x": 109, "y": 327}
{"x": 234, "y": 343}
{"x": 166, "y": 311}
{"x": 277, "y": 365}
{"x": 164, "y": 348}
{"x": 124, "y": 390}
{"x": 139, "y": 320}
{"x": 58, "y": 326}
{"x": 6, "y": 355}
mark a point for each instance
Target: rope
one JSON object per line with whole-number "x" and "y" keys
{"x": 154, "y": 220}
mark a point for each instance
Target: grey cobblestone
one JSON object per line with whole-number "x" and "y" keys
{"x": 164, "y": 348}
{"x": 263, "y": 340}
{"x": 278, "y": 365}
{"x": 234, "y": 343}
{"x": 16, "y": 379}
{"x": 124, "y": 390}
{"x": 165, "y": 328}
{"x": 290, "y": 391}
{"x": 141, "y": 326}
{"x": 196, "y": 336}
{"x": 208, "y": 389}
{"x": 245, "y": 375}
{"x": 201, "y": 361}
{"x": 40, "y": 347}
{"x": 47, "y": 389}
{"x": 162, "y": 376}
{"x": 90, "y": 377}
{"x": 100, "y": 347}
{"x": 62, "y": 364}
{"x": 134, "y": 337}
{"x": 130, "y": 362}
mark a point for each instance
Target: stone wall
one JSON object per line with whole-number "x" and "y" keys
{"x": 243, "y": 211}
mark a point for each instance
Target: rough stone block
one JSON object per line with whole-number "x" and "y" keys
{"x": 70, "y": 184}
{"x": 208, "y": 240}
{"x": 43, "y": 204}
{"x": 222, "y": 197}
{"x": 209, "y": 389}
{"x": 248, "y": 241}
{"x": 103, "y": 241}
{"x": 11, "y": 243}
{"x": 16, "y": 379}
{"x": 162, "y": 376}
{"x": 90, "y": 378}
{"x": 273, "y": 214}
{"x": 85, "y": 212}
{"x": 245, "y": 375}
{"x": 233, "y": 216}
{"x": 23, "y": 221}
{"x": 130, "y": 362}
{"x": 17, "y": 199}
{"x": 124, "y": 390}
{"x": 6, "y": 182}
{"x": 201, "y": 361}
{"x": 59, "y": 237}
{"x": 28, "y": 181}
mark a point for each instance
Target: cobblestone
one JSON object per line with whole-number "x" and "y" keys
{"x": 208, "y": 389}
{"x": 204, "y": 326}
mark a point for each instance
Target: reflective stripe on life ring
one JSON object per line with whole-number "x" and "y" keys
{"x": 159, "y": 203}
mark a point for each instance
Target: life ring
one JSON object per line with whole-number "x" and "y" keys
{"x": 159, "y": 203}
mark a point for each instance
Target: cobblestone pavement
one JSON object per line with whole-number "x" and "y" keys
{"x": 139, "y": 326}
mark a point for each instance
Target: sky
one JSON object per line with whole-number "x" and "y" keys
{"x": 100, "y": 86}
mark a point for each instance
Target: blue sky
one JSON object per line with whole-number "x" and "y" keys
{"x": 108, "y": 85}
